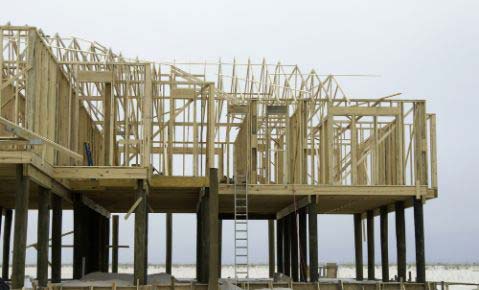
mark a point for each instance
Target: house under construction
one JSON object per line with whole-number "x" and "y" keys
{"x": 87, "y": 129}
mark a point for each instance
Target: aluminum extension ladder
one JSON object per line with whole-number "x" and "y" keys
{"x": 241, "y": 229}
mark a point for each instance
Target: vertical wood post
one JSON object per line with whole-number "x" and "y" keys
{"x": 271, "y": 258}
{"x": 43, "y": 231}
{"x": 358, "y": 246}
{"x": 77, "y": 241}
{"x": 384, "y": 244}
{"x": 419, "y": 238}
{"x": 20, "y": 229}
{"x": 198, "y": 243}
{"x": 56, "y": 238}
{"x": 279, "y": 245}
{"x": 114, "y": 244}
{"x": 220, "y": 245}
{"x": 401, "y": 240}
{"x": 313, "y": 240}
{"x": 370, "y": 229}
{"x": 204, "y": 239}
{"x": 169, "y": 241}
{"x": 6, "y": 244}
{"x": 213, "y": 207}
{"x": 303, "y": 252}
{"x": 141, "y": 219}
{"x": 294, "y": 247}
{"x": 287, "y": 246}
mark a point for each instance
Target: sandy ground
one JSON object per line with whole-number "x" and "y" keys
{"x": 450, "y": 273}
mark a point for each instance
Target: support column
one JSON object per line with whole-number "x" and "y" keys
{"x": 384, "y": 244}
{"x": 114, "y": 244}
{"x": 287, "y": 246}
{"x": 313, "y": 240}
{"x": 271, "y": 247}
{"x": 358, "y": 246}
{"x": 6, "y": 244}
{"x": 213, "y": 207}
{"x": 220, "y": 245}
{"x": 370, "y": 229}
{"x": 419, "y": 237}
{"x": 141, "y": 222}
{"x": 198, "y": 243}
{"x": 401, "y": 240}
{"x": 303, "y": 253}
{"x": 169, "y": 238}
{"x": 43, "y": 231}
{"x": 20, "y": 229}
{"x": 294, "y": 247}
{"x": 279, "y": 245}
{"x": 203, "y": 239}
{"x": 80, "y": 236}
{"x": 104, "y": 243}
{"x": 56, "y": 238}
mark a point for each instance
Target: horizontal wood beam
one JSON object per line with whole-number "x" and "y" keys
{"x": 363, "y": 111}
{"x": 335, "y": 190}
{"x": 99, "y": 172}
{"x": 95, "y": 76}
{"x": 178, "y": 181}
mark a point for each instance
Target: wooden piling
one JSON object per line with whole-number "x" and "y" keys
{"x": 169, "y": 240}
{"x": 279, "y": 245}
{"x": 370, "y": 232}
{"x": 303, "y": 264}
{"x": 294, "y": 247}
{"x": 114, "y": 244}
{"x": 287, "y": 246}
{"x": 401, "y": 240}
{"x": 104, "y": 243}
{"x": 220, "y": 245}
{"x": 80, "y": 239}
{"x": 271, "y": 249}
{"x": 43, "y": 231}
{"x": 213, "y": 207}
{"x": 56, "y": 238}
{"x": 6, "y": 244}
{"x": 313, "y": 240}
{"x": 358, "y": 246}
{"x": 203, "y": 239}
{"x": 141, "y": 219}
{"x": 20, "y": 229}
{"x": 198, "y": 243}
{"x": 419, "y": 238}
{"x": 384, "y": 243}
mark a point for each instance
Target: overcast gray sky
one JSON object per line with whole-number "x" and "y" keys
{"x": 424, "y": 49}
